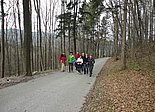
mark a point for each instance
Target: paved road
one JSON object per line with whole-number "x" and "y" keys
{"x": 57, "y": 92}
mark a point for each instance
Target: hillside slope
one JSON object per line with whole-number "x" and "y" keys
{"x": 131, "y": 90}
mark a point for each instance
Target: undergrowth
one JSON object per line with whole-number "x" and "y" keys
{"x": 145, "y": 63}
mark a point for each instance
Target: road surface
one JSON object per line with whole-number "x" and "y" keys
{"x": 57, "y": 92}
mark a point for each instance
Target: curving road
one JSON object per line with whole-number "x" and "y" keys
{"x": 57, "y": 92}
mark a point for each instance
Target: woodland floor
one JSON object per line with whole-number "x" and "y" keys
{"x": 116, "y": 90}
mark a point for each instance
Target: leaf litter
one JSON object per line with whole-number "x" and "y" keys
{"x": 121, "y": 91}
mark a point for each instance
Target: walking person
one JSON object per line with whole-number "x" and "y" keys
{"x": 79, "y": 64}
{"x": 91, "y": 62}
{"x": 71, "y": 61}
{"x": 85, "y": 63}
{"x": 83, "y": 57}
{"x": 63, "y": 61}
{"x": 77, "y": 55}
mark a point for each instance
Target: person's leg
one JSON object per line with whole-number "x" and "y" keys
{"x": 69, "y": 67}
{"x": 85, "y": 68}
{"x": 72, "y": 67}
{"x": 78, "y": 68}
{"x": 63, "y": 67}
{"x": 90, "y": 70}
{"x": 75, "y": 66}
{"x": 82, "y": 67}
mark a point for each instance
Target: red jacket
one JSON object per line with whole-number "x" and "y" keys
{"x": 77, "y": 56}
{"x": 63, "y": 59}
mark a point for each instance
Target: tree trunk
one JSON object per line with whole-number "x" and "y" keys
{"x": 151, "y": 24}
{"x": 20, "y": 34}
{"x": 7, "y": 51}
{"x": 116, "y": 31}
{"x": 3, "y": 40}
{"x": 64, "y": 23}
{"x": 74, "y": 25}
{"x": 123, "y": 56}
{"x": 27, "y": 36}
{"x": 17, "y": 48}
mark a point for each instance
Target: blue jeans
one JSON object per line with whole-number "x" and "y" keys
{"x": 91, "y": 69}
{"x": 85, "y": 68}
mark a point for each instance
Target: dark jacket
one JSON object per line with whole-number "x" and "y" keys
{"x": 91, "y": 61}
{"x": 85, "y": 60}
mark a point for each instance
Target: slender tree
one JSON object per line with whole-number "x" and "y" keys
{"x": 20, "y": 32}
{"x": 38, "y": 11}
{"x": 16, "y": 36}
{"x": 123, "y": 56}
{"x": 74, "y": 24}
{"x": 3, "y": 38}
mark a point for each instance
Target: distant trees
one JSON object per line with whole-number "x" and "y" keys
{"x": 133, "y": 27}
{"x": 82, "y": 26}
{"x": 119, "y": 28}
{"x": 21, "y": 50}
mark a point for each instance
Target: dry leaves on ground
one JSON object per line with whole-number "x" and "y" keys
{"x": 121, "y": 91}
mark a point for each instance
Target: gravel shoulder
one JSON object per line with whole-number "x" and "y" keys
{"x": 56, "y": 92}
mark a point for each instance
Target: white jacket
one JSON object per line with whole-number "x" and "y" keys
{"x": 79, "y": 61}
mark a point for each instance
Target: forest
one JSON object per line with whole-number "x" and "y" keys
{"x": 34, "y": 33}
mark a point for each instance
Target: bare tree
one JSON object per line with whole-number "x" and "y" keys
{"x": 37, "y": 6}
{"x": 27, "y": 36}
{"x": 123, "y": 56}
{"x": 20, "y": 33}
{"x": 3, "y": 39}
{"x": 16, "y": 36}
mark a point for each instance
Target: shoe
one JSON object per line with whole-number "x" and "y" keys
{"x": 90, "y": 75}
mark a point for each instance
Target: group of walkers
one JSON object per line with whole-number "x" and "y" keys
{"x": 83, "y": 63}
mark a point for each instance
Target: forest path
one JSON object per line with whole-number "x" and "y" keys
{"x": 58, "y": 92}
